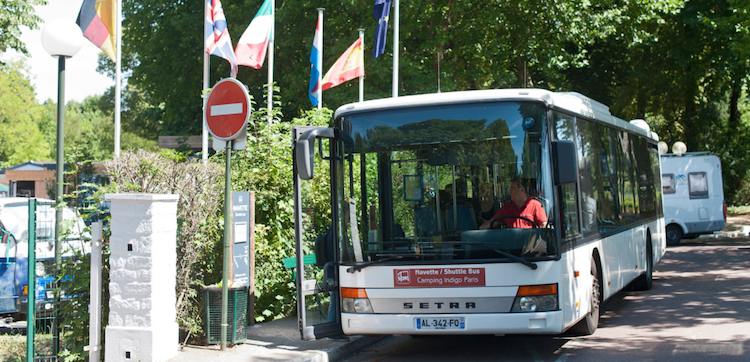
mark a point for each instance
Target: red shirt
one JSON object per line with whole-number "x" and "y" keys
{"x": 532, "y": 210}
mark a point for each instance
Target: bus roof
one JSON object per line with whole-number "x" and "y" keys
{"x": 570, "y": 101}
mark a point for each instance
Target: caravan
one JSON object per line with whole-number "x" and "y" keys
{"x": 693, "y": 195}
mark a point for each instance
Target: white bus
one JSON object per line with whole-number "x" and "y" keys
{"x": 411, "y": 181}
{"x": 693, "y": 195}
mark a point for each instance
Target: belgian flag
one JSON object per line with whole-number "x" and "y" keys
{"x": 97, "y": 22}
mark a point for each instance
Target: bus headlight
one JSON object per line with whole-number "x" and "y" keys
{"x": 356, "y": 305}
{"x": 535, "y": 298}
{"x": 354, "y": 300}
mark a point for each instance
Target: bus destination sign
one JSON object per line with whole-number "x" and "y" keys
{"x": 439, "y": 277}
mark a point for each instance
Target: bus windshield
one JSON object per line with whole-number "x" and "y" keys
{"x": 425, "y": 184}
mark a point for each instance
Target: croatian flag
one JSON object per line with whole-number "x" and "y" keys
{"x": 251, "y": 49}
{"x": 217, "y": 37}
{"x": 381, "y": 11}
{"x": 314, "y": 93}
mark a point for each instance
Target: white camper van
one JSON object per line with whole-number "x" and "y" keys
{"x": 693, "y": 195}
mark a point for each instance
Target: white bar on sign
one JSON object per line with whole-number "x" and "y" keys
{"x": 225, "y": 109}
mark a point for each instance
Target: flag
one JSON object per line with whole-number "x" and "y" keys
{"x": 97, "y": 22}
{"x": 251, "y": 49}
{"x": 314, "y": 92}
{"x": 350, "y": 65}
{"x": 380, "y": 12}
{"x": 217, "y": 37}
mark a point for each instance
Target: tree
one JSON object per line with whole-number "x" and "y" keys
{"x": 20, "y": 118}
{"x": 13, "y": 15}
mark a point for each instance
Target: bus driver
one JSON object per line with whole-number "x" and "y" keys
{"x": 520, "y": 205}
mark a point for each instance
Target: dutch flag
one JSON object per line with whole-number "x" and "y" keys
{"x": 314, "y": 92}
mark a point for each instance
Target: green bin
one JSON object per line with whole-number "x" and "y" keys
{"x": 237, "y": 300}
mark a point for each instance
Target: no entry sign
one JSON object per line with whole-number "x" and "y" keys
{"x": 227, "y": 109}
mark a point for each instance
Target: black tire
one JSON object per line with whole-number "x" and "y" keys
{"x": 590, "y": 322}
{"x": 674, "y": 234}
{"x": 646, "y": 281}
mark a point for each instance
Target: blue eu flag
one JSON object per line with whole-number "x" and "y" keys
{"x": 381, "y": 12}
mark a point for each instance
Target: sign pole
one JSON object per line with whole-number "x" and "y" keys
{"x": 227, "y": 244}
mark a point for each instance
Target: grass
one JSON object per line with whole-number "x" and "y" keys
{"x": 738, "y": 210}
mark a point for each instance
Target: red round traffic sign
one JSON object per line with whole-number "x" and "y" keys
{"x": 227, "y": 109}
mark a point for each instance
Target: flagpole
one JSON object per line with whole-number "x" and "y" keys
{"x": 395, "y": 48}
{"x": 206, "y": 79}
{"x": 118, "y": 81}
{"x": 270, "y": 62}
{"x": 320, "y": 60}
{"x": 362, "y": 78}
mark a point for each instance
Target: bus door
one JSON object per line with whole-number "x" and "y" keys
{"x": 318, "y": 307}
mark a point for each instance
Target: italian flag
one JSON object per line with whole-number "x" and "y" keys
{"x": 251, "y": 49}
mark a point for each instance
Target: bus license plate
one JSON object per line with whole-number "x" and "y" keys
{"x": 441, "y": 323}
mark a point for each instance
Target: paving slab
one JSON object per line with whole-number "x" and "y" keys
{"x": 278, "y": 340}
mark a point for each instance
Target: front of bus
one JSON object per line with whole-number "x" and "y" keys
{"x": 423, "y": 248}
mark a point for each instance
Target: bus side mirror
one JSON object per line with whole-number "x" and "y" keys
{"x": 304, "y": 150}
{"x": 564, "y": 163}
{"x": 303, "y": 156}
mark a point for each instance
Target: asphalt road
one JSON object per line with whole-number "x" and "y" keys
{"x": 698, "y": 310}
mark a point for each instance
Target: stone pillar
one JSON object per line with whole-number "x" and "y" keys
{"x": 143, "y": 261}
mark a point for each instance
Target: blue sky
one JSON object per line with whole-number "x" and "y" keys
{"x": 81, "y": 78}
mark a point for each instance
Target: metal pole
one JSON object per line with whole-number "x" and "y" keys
{"x": 251, "y": 255}
{"x": 31, "y": 283}
{"x": 227, "y": 255}
{"x": 395, "y": 48}
{"x": 95, "y": 284}
{"x": 206, "y": 76}
{"x": 118, "y": 77}
{"x": 270, "y": 63}
{"x": 320, "y": 60}
{"x": 362, "y": 78}
{"x": 59, "y": 179}
{"x": 298, "y": 240}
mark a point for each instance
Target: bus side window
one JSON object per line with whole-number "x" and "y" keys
{"x": 569, "y": 209}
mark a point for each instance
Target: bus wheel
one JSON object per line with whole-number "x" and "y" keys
{"x": 645, "y": 281}
{"x": 588, "y": 324}
{"x": 674, "y": 234}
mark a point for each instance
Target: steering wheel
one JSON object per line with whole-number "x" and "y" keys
{"x": 492, "y": 222}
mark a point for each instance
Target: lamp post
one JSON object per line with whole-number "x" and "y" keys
{"x": 61, "y": 39}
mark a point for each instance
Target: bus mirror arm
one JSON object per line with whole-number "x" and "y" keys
{"x": 328, "y": 283}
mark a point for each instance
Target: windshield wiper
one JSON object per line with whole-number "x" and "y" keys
{"x": 390, "y": 257}
{"x": 510, "y": 256}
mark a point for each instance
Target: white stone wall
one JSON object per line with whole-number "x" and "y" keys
{"x": 142, "y": 318}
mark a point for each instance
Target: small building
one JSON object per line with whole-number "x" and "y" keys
{"x": 37, "y": 178}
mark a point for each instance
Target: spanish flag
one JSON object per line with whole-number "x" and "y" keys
{"x": 350, "y": 65}
{"x": 97, "y": 22}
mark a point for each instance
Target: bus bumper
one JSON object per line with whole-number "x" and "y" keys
{"x": 495, "y": 323}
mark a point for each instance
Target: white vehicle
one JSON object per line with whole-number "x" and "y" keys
{"x": 408, "y": 258}
{"x": 14, "y": 247}
{"x": 693, "y": 195}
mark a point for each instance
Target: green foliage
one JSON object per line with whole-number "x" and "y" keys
{"x": 199, "y": 188}
{"x": 265, "y": 167}
{"x": 13, "y": 15}
{"x": 21, "y": 139}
